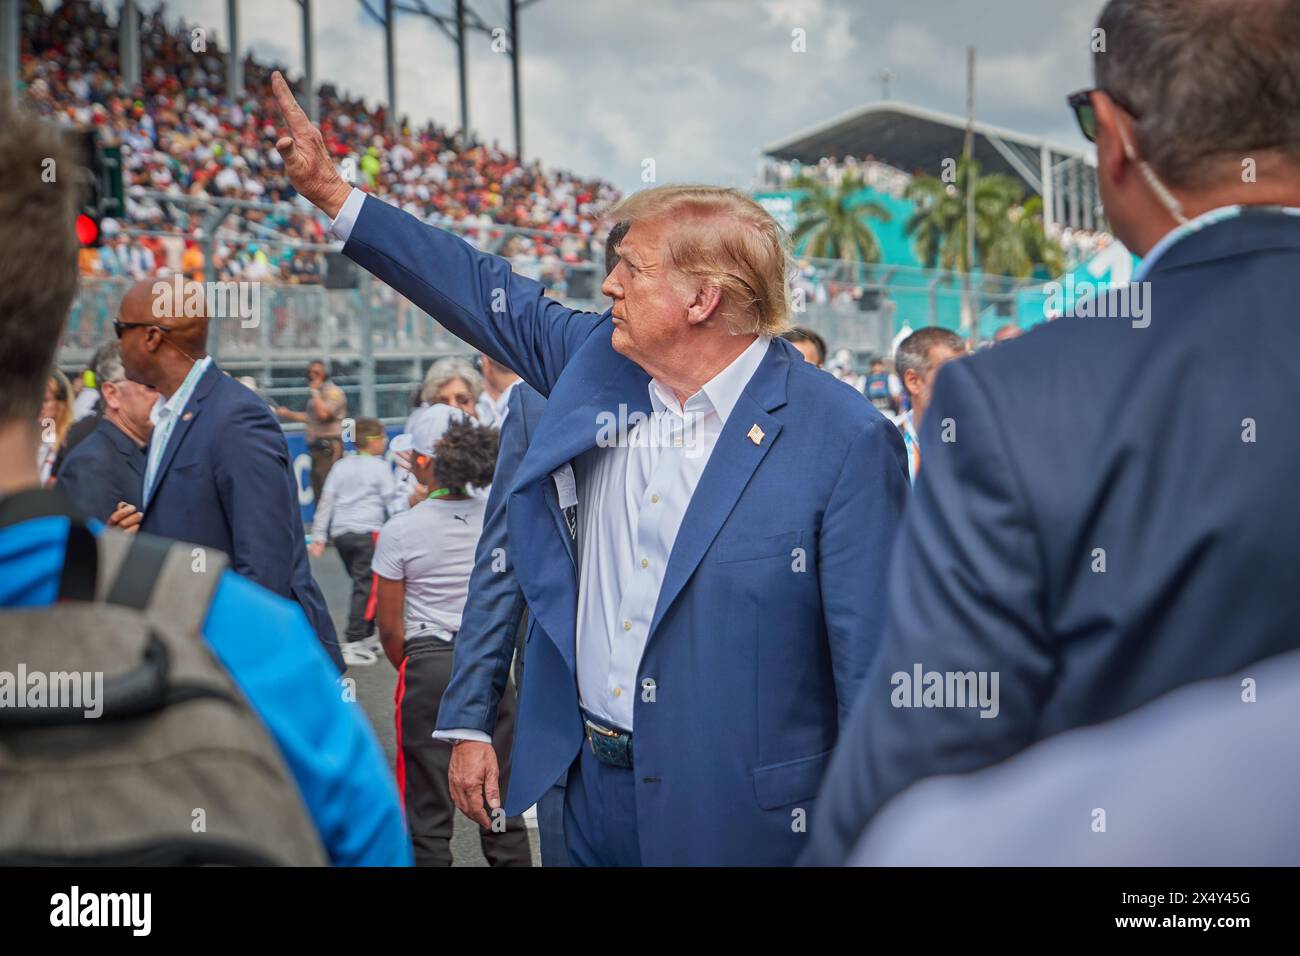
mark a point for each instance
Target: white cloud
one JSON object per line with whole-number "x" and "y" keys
{"x": 698, "y": 86}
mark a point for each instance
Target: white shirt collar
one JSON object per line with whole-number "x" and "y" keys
{"x": 166, "y": 407}
{"x": 719, "y": 393}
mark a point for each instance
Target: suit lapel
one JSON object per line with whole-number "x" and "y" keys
{"x": 733, "y": 462}
{"x": 599, "y": 387}
{"x": 186, "y": 418}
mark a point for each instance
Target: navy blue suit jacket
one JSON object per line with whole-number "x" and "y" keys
{"x": 771, "y": 605}
{"x": 225, "y": 481}
{"x": 485, "y": 642}
{"x": 1166, "y": 455}
{"x": 105, "y": 467}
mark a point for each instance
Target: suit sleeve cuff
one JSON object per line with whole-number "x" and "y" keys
{"x": 341, "y": 225}
{"x": 462, "y": 733}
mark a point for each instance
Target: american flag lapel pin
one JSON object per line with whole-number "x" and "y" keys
{"x": 756, "y": 435}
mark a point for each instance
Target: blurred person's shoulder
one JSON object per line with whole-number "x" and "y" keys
{"x": 1050, "y": 359}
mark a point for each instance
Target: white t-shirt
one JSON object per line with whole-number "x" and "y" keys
{"x": 431, "y": 548}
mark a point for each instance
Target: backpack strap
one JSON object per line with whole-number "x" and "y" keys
{"x": 80, "y": 565}
{"x": 165, "y": 579}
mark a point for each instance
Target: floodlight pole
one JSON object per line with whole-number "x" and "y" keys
{"x": 1049, "y": 188}
{"x": 128, "y": 39}
{"x": 234, "y": 69}
{"x": 462, "y": 68}
{"x": 514, "y": 80}
{"x": 308, "y": 62}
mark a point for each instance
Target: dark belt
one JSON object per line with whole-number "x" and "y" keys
{"x": 611, "y": 747}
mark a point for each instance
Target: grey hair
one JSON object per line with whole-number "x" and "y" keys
{"x": 106, "y": 363}
{"x": 1214, "y": 79}
{"x": 445, "y": 370}
{"x": 914, "y": 351}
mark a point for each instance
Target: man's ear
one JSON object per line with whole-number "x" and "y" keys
{"x": 704, "y": 305}
{"x": 1116, "y": 138}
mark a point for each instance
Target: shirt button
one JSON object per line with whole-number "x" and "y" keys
{"x": 654, "y": 499}
{"x": 618, "y": 692}
{"x": 627, "y": 625}
{"x": 645, "y": 563}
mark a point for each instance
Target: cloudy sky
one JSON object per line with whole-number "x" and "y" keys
{"x": 699, "y": 86}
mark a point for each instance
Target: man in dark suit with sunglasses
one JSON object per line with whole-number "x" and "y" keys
{"x": 1107, "y": 510}
{"x": 218, "y": 471}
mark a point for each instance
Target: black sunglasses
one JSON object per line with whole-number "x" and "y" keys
{"x": 120, "y": 327}
{"x": 1081, "y": 104}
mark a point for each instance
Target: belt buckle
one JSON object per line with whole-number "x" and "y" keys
{"x": 612, "y": 753}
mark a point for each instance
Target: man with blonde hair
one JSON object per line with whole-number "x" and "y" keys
{"x": 698, "y": 526}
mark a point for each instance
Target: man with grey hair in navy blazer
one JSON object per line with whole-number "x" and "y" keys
{"x": 1107, "y": 509}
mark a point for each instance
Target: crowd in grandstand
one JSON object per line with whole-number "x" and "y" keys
{"x": 180, "y": 135}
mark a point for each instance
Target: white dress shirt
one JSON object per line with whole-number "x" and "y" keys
{"x": 631, "y": 500}
{"x": 163, "y": 415}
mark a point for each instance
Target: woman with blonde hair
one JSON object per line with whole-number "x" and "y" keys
{"x": 56, "y": 417}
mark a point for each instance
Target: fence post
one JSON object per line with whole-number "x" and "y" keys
{"x": 369, "y": 405}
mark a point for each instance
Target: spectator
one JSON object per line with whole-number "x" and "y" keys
{"x": 107, "y": 468}
{"x": 86, "y": 402}
{"x": 878, "y": 389}
{"x": 54, "y": 420}
{"x": 809, "y": 343}
{"x": 918, "y": 359}
{"x": 452, "y": 381}
{"x": 359, "y": 495}
{"x": 498, "y": 381}
{"x": 327, "y": 406}
{"x": 423, "y": 560}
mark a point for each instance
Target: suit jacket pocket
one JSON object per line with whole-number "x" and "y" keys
{"x": 750, "y": 548}
{"x": 781, "y": 784}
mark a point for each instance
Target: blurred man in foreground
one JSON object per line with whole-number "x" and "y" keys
{"x": 1113, "y": 514}
{"x": 261, "y": 641}
{"x": 1135, "y": 791}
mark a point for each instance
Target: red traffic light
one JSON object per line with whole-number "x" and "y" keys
{"x": 87, "y": 230}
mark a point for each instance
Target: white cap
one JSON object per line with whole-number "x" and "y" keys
{"x": 428, "y": 425}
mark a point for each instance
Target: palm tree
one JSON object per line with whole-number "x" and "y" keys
{"x": 938, "y": 227}
{"x": 1036, "y": 249}
{"x": 833, "y": 224}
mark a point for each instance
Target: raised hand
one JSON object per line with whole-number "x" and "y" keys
{"x": 306, "y": 161}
